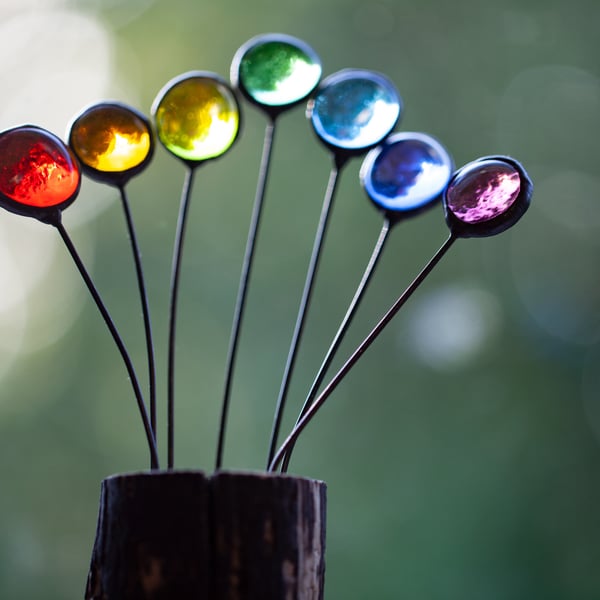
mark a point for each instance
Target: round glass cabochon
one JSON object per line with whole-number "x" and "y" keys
{"x": 483, "y": 190}
{"x": 197, "y": 116}
{"x": 276, "y": 70}
{"x": 355, "y": 109}
{"x": 111, "y": 138}
{"x": 487, "y": 196}
{"x": 407, "y": 172}
{"x": 37, "y": 170}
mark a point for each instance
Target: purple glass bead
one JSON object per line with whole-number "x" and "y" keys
{"x": 483, "y": 191}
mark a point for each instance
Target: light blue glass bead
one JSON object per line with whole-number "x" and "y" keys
{"x": 355, "y": 109}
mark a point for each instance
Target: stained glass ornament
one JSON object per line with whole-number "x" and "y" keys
{"x": 354, "y": 110}
{"x": 406, "y": 174}
{"x": 112, "y": 141}
{"x": 275, "y": 71}
{"x": 197, "y": 116}
{"x": 39, "y": 176}
{"x": 487, "y": 196}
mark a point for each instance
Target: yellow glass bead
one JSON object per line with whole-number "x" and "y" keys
{"x": 111, "y": 138}
{"x": 197, "y": 116}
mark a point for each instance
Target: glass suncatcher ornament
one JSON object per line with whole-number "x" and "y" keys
{"x": 483, "y": 198}
{"x": 39, "y": 177}
{"x": 404, "y": 176}
{"x": 487, "y": 196}
{"x": 114, "y": 142}
{"x": 274, "y": 72}
{"x": 197, "y": 119}
{"x": 352, "y": 111}
{"x": 197, "y": 116}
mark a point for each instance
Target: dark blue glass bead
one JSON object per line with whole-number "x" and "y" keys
{"x": 407, "y": 173}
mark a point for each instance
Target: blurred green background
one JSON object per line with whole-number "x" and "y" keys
{"x": 462, "y": 454}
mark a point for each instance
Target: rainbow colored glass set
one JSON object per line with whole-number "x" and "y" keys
{"x": 197, "y": 118}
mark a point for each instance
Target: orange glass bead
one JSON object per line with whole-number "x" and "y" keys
{"x": 111, "y": 138}
{"x": 37, "y": 170}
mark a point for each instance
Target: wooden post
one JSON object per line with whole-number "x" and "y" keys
{"x": 179, "y": 535}
{"x": 269, "y": 534}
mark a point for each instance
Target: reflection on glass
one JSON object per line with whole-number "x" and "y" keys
{"x": 355, "y": 109}
{"x": 278, "y": 71}
{"x": 36, "y": 168}
{"x": 110, "y": 138}
{"x": 407, "y": 172}
{"x": 197, "y": 117}
{"x": 483, "y": 191}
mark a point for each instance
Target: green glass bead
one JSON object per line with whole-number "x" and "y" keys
{"x": 277, "y": 71}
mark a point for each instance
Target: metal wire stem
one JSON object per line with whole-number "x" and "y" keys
{"x": 145, "y": 307}
{"x": 240, "y": 304}
{"x": 304, "y": 303}
{"x": 360, "y": 350}
{"x": 154, "y": 461}
{"x": 343, "y": 328}
{"x": 174, "y": 294}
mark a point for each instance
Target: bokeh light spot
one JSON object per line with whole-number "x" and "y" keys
{"x": 554, "y": 271}
{"x": 453, "y": 325}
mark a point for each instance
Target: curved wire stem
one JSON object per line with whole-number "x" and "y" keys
{"x": 360, "y": 350}
{"x": 240, "y": 303}
{"x": 343, "y": 328}
{"x": 304, "y": 303}
{"x": 186, "y": 193}
{"x": 154, "y": 461}
{"x": 137, "y": 258}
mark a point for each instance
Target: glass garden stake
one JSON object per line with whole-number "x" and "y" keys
{"x": 352, "y": 111}
{"x": 197, "y": 119}
{"x": 275, "y": 72}
{"x": 483, "y": 198}
{"x": 114, "y": 142}
{"x": 39, "y": 178}
{"x": 403, "y": 176}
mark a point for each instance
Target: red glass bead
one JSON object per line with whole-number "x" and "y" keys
{"x": 36, "y": 168}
